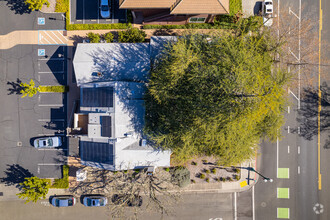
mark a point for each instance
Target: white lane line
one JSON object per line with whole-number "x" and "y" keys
{"x": 50, "y": 134}
{"x": 51, "y": 105}
{"x": 50, "y": 119}
{"x": 45, "y": 40}
{"x": 291, "y": 12}
{"x": 288, "y": 129}
{"x": 298, "y": 169}
{"x": 277, "y": 156}
{"x": 289, "y": 91}
{"x": 288, "y": 109}
{"x": 235, "y": 205}
{"x": 298, "y": 149}
{"x": 62, "y": 35}
{"x": 298, "y": 130}
{"x": 57, "y": 37}
{"x": 52, "y": 59}
{"x": 288, "y": 149}
{"x": 54, "y": 149}
{"x": 50, "y": 37}
{"x": 53, "y": 72}
{"x": 293, "y": 54}
{"x": 253, "y": 205}
{"x": 83, "y": 12}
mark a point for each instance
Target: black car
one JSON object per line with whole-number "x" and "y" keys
{"x": 128, "y": 200}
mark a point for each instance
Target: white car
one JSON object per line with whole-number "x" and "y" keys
{"x": 47, "y": 142}
{"x": 267, "y": 12}
{"x": 105, "y": 9}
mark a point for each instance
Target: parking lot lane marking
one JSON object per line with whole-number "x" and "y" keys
{"x": 298, "y": 130}
{"x": 253, "y": 204}
{"x": 50, "y": 36}
{"x": 62, "y": 36}
{"x": 288, "y": 149}
{"x": 45, "y": 59}
{"x": 50, "y": 134}
{"x": 45, "y": 40}
{"x": 57, "y": 37}
{"x": 298, "y": 169}
{"x": 54, "y": 149}
{"x": 298, "y": 149}
{"x": 288, "y": 129}
{"x": 235, "y": 205}
{"x": 289, "y": 91}
{"x": 38, "y": 169}
{"x": 83, "y": 12}
{"x": 289, "y": 109}
{"x": 53, "y": 72}
{"x": 51, "y": 119}
{"x": 51, "y": 105}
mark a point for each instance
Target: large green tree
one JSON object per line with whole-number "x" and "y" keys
{"x": 33, "y": 189}
{"x": 216, "y": 95}
{"x": 29, "y": 89}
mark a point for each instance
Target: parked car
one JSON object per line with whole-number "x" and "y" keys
{"x": 63, "y": 201}
{"x": 92, "y": 201}
{"x": 47, "y": 142}
{"x": 105, "y": 9}
{"x": 119, "y": 199}
{"x": 267, "y": 12}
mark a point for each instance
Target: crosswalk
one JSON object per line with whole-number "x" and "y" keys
{"x": 52, "y": 37}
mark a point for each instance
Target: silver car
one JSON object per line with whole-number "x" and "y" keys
{"x": 93, "y": 201}
{"x": 47, "y": 142}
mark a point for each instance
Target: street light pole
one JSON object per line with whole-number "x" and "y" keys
{"x": 266, "y": 179}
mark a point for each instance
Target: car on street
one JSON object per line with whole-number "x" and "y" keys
{"x": 63, "y": 201}
{"x": 92, "y": 201}
{"x": 129, "y": 201}
{"x": 267, "y": 12}
{"x": 47, "y": 142}
{"x": 105, "y": 9}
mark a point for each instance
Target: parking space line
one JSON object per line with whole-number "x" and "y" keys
{"x": 53, "y": 72}
{"x": 52, "y": 149}
{"x": 51, "y": 105}
{"x": 288, "y": 149}
{"x": 298, "y": 169}
{"x": 51, "y": 119}
{"x": 51, "y": 134}
{"x": 235, "y": 205}
{"x": 83, "y": 12}
{"x": 298, "y": 149}
{"x": 45, "y": 59}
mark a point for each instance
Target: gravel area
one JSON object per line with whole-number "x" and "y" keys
{"x": 51, "y": 8}
{"x": 205, "y": 165}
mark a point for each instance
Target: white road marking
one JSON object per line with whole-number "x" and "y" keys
{"x": 58, "y": 37}
{"x": 298, "y": 130}
{"x": 51, "y": 119}
{"x": 51, "y": 164}
{"x": 288, "y": 149}
{"x": 46, "y": 40}
{"x": 50, "y": 37}
{"x": 293, "y": 54}
{"x": 298, "y": 149}
{"x": 289, "y": 91}
{"x": 50, "y": 134}
{"x": 54, "y": 149}
{"x": 291, "y": 12}
{"x": 288, "y": 129}
{"x": 277, "y": 157}
{"x": 289, "y": 109}
{"x": 53, "y": 72}
{"x": 235, "y": 205}
{"x": 52, "y": 59}
{"x": 51, "y": 105}
{"x": 298, "y": 169}
{"x": 83, "y": 12}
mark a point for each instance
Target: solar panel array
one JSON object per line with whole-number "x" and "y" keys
{"x": 97, "y": 97}
{"x": 105, "y": 126}
{"x": 96, "y": 152}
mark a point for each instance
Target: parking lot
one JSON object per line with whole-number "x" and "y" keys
{"x": 88, "y": 12}
{"x": 25, "y": 119}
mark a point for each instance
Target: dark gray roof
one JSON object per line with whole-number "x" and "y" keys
{"x": 97, "y": 97}
{"x": 96, "y": 152}
{"x": 105, "y": 126}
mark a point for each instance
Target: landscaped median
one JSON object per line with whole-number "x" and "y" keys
{"x": 63, "y": 6}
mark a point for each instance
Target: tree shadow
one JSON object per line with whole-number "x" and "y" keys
{"x": 16, "y": 87}
{"x": 164, "y": 32}
{"x": 308, "y": 113}
{"x": 18, "y": 6}
{"x": 15, "y": 175}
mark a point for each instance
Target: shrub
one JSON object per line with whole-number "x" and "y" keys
{"x": 207, "y": 180}
{"x": 125, "y": 171}
{"x": 64, "y": 182}
{"x": 114, "y": 172}
{"x": 36, "y": 4}
{"x": 214, "y": 170}
{"x": 204, "y": 161}
{"x": 62, "y": 6}
{"x": 108, "y": 37}
{"x": 202, "y": 176}
{"x": 131, "y": 35}
{"x": 93, "y": 38}
{"x": 194, "y": 163}
{"x": 217, "y": 179}
{"x": 235, "y": 6}
{"x": 167, "y": 169}
{"x": 193, "y": 181}
{"x": 180, "y": 176}
{"x": 137, "y": 171}
{"x": 222, "y": 179}
{"x": 207, "y": 171}
{"x": 229, "y": 179}
{"x": 71, "y": 27}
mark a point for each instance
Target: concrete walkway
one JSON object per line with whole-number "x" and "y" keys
{"x": 18, "y": 37}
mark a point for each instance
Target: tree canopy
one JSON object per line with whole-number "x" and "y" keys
{"x": 34, "y": 189}
{"x": 216, "y": 95}
{"x": 36, "y": 4}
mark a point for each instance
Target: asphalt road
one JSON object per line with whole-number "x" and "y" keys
{"x": 193, "y": 206}
{"x": 293, "y": 161}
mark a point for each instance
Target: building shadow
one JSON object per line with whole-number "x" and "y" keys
{"x": 16, "y": 87}
{"x": 16, "y": 174}
{"x": 308, "y": 113}
{"x": 18, "y": 6}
